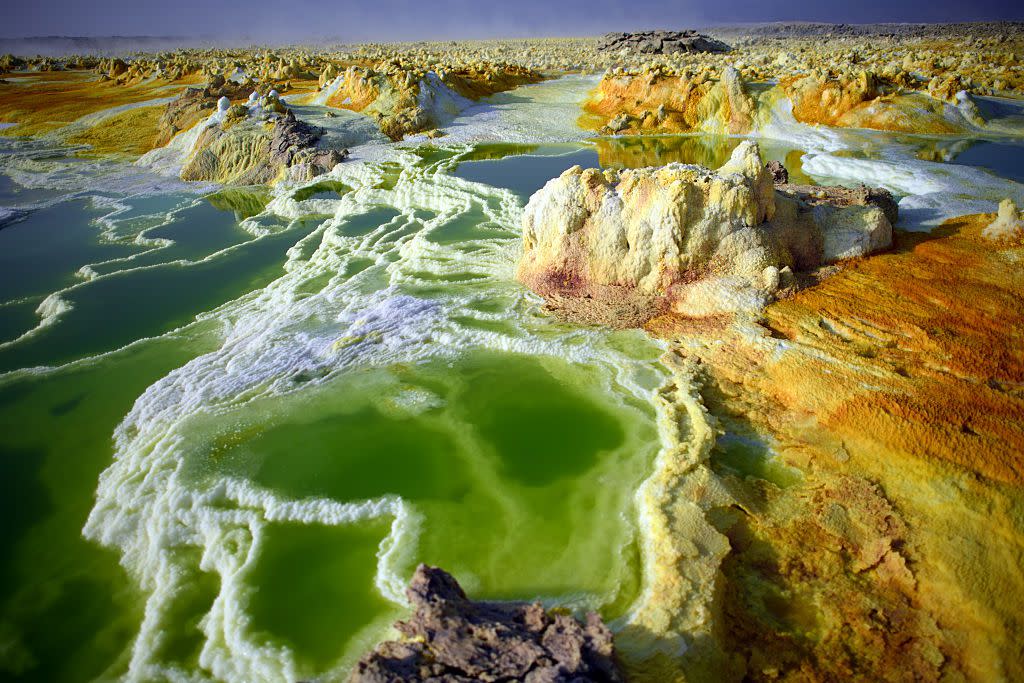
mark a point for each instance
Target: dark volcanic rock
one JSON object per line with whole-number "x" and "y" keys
{"x": 185, "y": 110}
{"x": 780, "y": 175}
{"x": 661, "y": 42}
{"x": 248, "y": 153}
{"x": 294, "y": 141}
{"x": 834, "y": 194}
{"x": 451, "y": 638}
{"x": 814, "y": 30}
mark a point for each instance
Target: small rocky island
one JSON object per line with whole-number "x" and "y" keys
{"x": 451, "y": 638}
{"x": 661, "y": 42}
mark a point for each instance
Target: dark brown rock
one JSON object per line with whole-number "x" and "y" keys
{"x": 191, "y": 106}
{"x": 845, "y": 196}
{"x": 451, "y": 638}
{"x": 779, "y": 173}
{"x": 661, "y": 42}
{"x": 248, "y": 153}
{"x": 295, "y": 141}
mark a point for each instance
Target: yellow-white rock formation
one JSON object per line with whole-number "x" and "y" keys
{"x": 706, "y": 242}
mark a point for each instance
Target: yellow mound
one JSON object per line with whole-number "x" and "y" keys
{"x": 857, "y": 102}
{"x": 654, "y": 103}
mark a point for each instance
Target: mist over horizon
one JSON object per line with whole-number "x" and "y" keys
{"x": 307, "y": 21}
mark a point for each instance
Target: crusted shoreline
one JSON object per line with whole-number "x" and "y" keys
{"x": 794, "y": 528}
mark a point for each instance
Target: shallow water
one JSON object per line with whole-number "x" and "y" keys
{"x": 361, "y": 387}
{"x": 524, "y": 174}
{"x": 234, "y": 422}
{"x": 1002, "y": 158}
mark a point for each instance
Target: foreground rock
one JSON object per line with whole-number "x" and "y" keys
{"x": 697, "y": 241}
{"x": 451, "y": 638}
{"x": 661, "y": 42}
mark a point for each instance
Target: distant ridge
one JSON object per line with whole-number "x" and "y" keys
{"x": 909, "y": 29}
{"x": 59, "y": 46}
{"x": 55, "y": 46}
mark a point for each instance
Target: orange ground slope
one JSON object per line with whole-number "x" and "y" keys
{"x": 919, "y": 351}
{"x": 938, "y": 327}
{"x": 894, "y": 390}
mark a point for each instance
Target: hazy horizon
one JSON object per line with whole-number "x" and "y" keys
{"x": 404, "y": 20}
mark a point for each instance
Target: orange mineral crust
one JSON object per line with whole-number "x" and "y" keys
{"x": 937, "y": 328}
{"x": 861, "y": 101}
{"x": 656, "y": 102}
{"x": 476, "y": 83}
{"x": 917, "y": 352}
{"x": 893, "y": 394}
{"x": 640, "y": 97}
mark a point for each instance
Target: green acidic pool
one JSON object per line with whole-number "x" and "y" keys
{"x": 256, "y": 422}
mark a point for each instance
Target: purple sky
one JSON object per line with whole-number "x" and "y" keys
{"x": 415, "y": 19}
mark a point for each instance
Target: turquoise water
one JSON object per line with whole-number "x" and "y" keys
{"x": 524, "y": 174}
{"x": 524, "y": 169}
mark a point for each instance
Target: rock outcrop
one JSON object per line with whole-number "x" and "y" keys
{"x": 661, "y": 42}
{"x": 451, "y": 638}
{"x": 253, "y": 152}
{"x": 853, "y": 222}
{"x": 406, "y": 99}
{"x": 862, "y": 100}
{"x": 699, "y": 241}
{"x": 656, "y": 101}
{"x": 780, "y": 174}
{"x": 294, "y": 142}
{"x": 659, "y": 99}
{"x": 1008, "y": 225}
{"x": 194, "y": 105}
